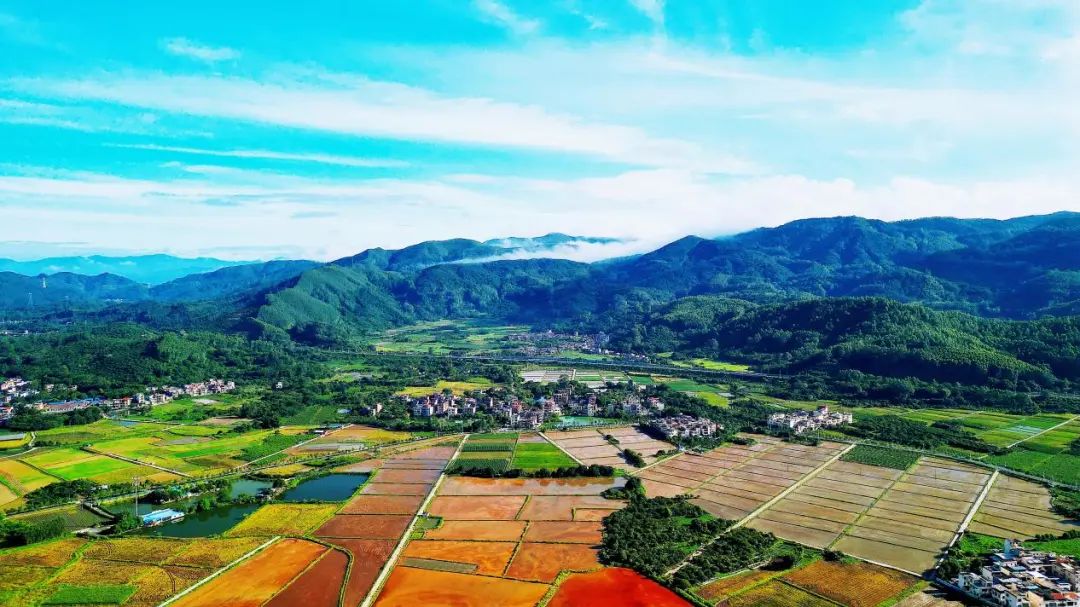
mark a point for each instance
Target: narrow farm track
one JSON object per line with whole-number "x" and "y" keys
{"x": 380, "y": 581}
{"x": 749, "y": 517}
{"x": 216, "y": 574}
{"x": 300, "y": 444}
{"x": 802, "y": 481}
{"x": 559, "y": 447}
{"x": 1064, "y": 423}
{"x": 135, "y": 461}
{"x": 970, "y": 515}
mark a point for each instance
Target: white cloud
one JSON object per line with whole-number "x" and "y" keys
{"x": 349, "y": 161}
{"x": 182, "y": 47}
{"x": 500, "y": 13}
{"x": 594, "y": 22}
{"x": 348, "y": 104}
{"x": 329, "y": 219}
{"x": 653, "y": 9}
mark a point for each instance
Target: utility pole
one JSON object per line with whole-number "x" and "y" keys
{"x": 135, "y": 481}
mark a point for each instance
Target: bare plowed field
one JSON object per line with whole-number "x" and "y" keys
{"x": 1018, "y": 508}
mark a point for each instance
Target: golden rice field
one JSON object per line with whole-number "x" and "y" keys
{"x": 283, "y": 519}
{"x": 152, "y": 569}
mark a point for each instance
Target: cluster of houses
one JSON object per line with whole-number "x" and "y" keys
{"x": 1016, "y": 577}
{"x": 528, "y": 414}
{"x": 13, "y": 388}
{"x": 799, "y": 422}
{"x": 153, "y": 395}
{"x": 685, "y": 426}
{"x": 550, "y": 343}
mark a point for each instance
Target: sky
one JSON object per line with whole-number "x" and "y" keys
{"x": 258, "y": 130}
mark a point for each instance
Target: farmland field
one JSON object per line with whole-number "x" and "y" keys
{"x": 613, "y": 587}
{"x": 70, "y": 464}
{"x": 198, "y": 455}
{"x": 534, "y": 456}
{"x": 881, "y": 456}
{"x": 459, "y": 388}
{"x": 491, "y": 452}
{"x": 777, "y": 594}
{"x": 917, "y": 516}
{"x": 1019, "y": 508}
{"x": 732, "y": 481}
{"x": 854, "y": 585}
{"x": 525, "y": 532}
{"x": 148, "y": 570}
{"x": 591, "y": 446}
{"x": 283, "y": 519}
{"x": 23, "y": 479}
{"x": 1062, "y": 467}
{"x": 259, "y": 578}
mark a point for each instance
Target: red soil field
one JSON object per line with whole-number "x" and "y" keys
{"x": 377, "y": 488}
{"x": 383, "y": 504}
{"x": 319, "y": 586}
{"x": 407, "y": 464}
{"x": 408, "y": 587}
{"x": 463, "y": 485}
{"x": 590, "y": 514}
{"x": 658, "y": 489}
{"x": 564, "y": 532}
{"x": 490, "y": 558}
{"x": 366, "y": 526}
{"x": 560, "y": 508}
{"x": 544, "y": 562}
{"x": 443, "y": 453}
{"x": 614, "y": 588}
{"x": 253, "y": 582}
{"x": 407, "y": 476}
{"x": 486, "y": 508}
{"x": 369, "y": 556}
{"x": 366, "y": 466}
{"x": 492, "y": 531}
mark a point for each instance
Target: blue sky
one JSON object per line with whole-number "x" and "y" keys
{"x": 273, "y": 129}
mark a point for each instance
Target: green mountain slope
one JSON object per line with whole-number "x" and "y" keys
{"x": 876, "y": 336}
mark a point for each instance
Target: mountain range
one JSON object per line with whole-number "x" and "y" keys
{"x": 1021, "y": 268}
{"x": 148, "y": 269}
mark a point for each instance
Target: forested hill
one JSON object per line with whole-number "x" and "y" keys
{"x": 1023, "y": 268}
{"x": 875, "y": 336}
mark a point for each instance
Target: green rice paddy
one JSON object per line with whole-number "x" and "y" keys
{"x": 534, "y": 456}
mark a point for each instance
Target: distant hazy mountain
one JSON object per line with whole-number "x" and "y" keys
{"x": 64, "y": 290}
{"x": 148, "y": 269}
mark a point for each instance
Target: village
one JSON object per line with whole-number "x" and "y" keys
{"x": 18, "y": 389}
{"x": 799, "y": 422}
{"x": 1017, "y": 577}
{"x": 531, "y": 413}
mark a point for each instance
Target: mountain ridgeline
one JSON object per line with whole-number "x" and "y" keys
{"x": 939, "y": 299}
{"x": 1021, "y": 269}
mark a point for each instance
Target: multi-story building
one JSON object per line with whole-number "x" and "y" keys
{"x": 1016, "y": 577}
{"x": 685, "y": 426}
{"x": 804, "y": 421}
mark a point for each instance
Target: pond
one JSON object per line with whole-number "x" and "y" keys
{"x": 247, "y": 486}
{"x": 202, "y": 524}
{"x": 243, "y": 486}
{"x": 329, "y": 488}
{"x": 575, "y": 421}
